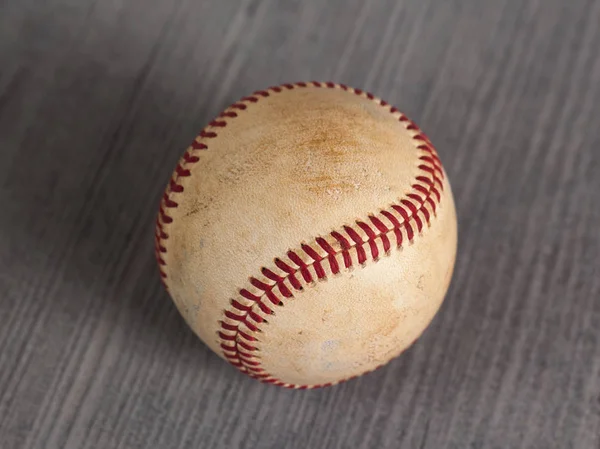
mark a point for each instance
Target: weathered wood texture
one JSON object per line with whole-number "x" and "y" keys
{"x": 99, "y": 98}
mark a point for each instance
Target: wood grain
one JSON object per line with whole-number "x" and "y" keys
{"x": 99, "y": 99}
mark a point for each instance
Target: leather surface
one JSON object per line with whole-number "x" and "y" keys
{"x": 360, "y": 319}
{"x": 291, "y": 167}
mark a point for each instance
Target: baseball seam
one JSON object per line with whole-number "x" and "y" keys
{"x": 342, "y": 249}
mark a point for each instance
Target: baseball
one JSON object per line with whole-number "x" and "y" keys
{"x": 308, "y": 235}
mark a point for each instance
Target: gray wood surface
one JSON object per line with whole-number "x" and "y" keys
{"x": 98, "y": 99}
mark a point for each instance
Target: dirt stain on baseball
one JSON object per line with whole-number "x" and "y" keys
{"x": 324, "y": 158}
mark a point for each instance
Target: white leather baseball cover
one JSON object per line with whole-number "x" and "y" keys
{"x": 308, "y": 235}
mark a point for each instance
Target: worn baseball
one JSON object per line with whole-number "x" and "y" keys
{"x": 308, "y": 234}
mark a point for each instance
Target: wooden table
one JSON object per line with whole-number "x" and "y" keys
{"x": 98, "y": 99}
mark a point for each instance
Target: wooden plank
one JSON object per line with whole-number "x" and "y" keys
{"x": 97, "y": 102}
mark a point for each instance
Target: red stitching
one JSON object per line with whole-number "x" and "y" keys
{"x": 182, "y": 172}
{"x": 245, "y": 355}
{"x": 227, "y": 326}
{"x": 249, "y": 310}
{"x": 260, "y": 285}
{"x": 360, "y": 251}
{"x": 316, "y": 260}
{"x": 301, "y": 265}
{"x": 199, "y": 146}
{"x": 190, "y": 159}
{"x": 414, "y": 214}
{"x": 269, "y": 274}
{"x": 284, "y": 290}
{"x": 345, "y": 247}
{"x": 165, "y": 218}
{"x": 245, "y": 345}
{"x": 333, "y": 263}
{"x": 174, "y": 187}
{"x": 168, "y": 202}
{"x": 371, "y": 239}
{"x": 264, "y": 308}
{"x": 246, "y": 294}
{"x": 246, "y": 336}
{"x": 420, "y": 188}
{"x": 396, "y": 226}
{"x": 234, "y": 317}
{"x": 251, "y": 326}
{"x": 241, "y": 307}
